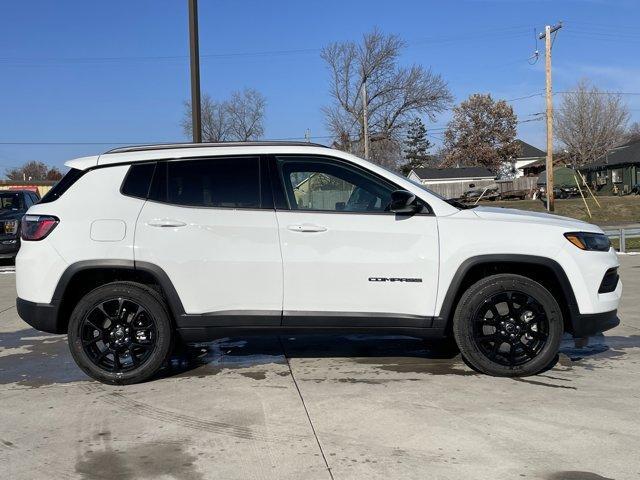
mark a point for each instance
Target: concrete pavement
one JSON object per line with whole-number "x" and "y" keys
{"x": 342, "y": 407}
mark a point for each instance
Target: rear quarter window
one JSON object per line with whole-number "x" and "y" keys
{"x": 71, "y": 177}
{"x": 138, "y": 180}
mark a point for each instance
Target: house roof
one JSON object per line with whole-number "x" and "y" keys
{"x": 558, "y": 162}
{"x": 449, "y": 173}
{"x": 529, "y": 151}
{"x": 621, "y": 155}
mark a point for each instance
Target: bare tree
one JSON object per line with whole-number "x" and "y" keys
{"x": 241, "y": 118}
{"x": 589, "y": 122}
{"x": 33, "y": 171}
{"x": 246, "y": 114}
{"x": 395, "y": 95}
{"x": 54, "y": 174}
{"x": 633, "y": 134}
{"x": 482, "y": 132}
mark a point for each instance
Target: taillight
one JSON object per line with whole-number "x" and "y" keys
{"x": 37, "y": 227}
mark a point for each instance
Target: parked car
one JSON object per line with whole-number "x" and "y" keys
{"x": 140, "y": 248}
{"x": 13, "y": 205}
{"x": 560, "y": 192}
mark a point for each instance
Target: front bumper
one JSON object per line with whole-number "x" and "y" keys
{"x": 9, "y": 247}
{"x": 41, "y": 316}
{"x": 586, "y": 325}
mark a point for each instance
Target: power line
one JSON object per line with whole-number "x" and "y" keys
{"x": 605, "y": 25}
{"x": 537, "y": 94}
{"x": 598, "y": 93}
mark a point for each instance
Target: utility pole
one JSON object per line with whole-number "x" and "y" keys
{"x": 548, "y": 30}
{"x": 196, "y": 119}
{"x": 365, "y": 118}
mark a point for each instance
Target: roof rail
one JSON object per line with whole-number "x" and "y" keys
{"x": 167, "y": 146}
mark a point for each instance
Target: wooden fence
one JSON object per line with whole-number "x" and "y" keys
{"x": 456, "y": 189}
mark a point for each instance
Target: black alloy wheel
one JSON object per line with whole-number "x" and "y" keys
{"x": 508, "y": 325}
{"x": 510, "y": 328}
{"x": 118, "y": 334}
{"x": 121, "y": 333}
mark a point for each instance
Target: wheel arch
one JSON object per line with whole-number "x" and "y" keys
{"x": 81, "y": 277}
{"x": 543, "y": 270}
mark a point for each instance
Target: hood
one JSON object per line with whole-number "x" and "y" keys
{"x": 522, "y": 216}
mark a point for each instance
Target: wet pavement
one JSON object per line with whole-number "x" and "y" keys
{"x": 306, "y": 407}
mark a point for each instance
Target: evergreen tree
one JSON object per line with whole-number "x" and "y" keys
{"x": 416, "y": 146}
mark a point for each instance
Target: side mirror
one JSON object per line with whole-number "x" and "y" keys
{"x": 403, "y": 201}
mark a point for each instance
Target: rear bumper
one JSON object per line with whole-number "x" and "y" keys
{"x": 585, "y": 325}
{"x": 41, "y": 316}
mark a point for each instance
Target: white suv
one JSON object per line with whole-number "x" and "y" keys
{"x": 141, "y": 247}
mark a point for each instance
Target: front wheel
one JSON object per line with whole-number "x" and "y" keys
{"x": 508, "y": 325}
{"x": 120, "y": 333}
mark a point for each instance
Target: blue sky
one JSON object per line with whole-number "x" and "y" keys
{"x": 117, "y": 71}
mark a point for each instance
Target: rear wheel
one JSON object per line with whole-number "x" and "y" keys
{"x": 120, "y": 333}
{"x": 508, "y": 325}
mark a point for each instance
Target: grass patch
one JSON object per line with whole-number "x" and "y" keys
{"x": 631, "y": 244}
{"x": 613, "y": 210}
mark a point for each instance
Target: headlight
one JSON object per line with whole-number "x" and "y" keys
{"x": 589, "y": 241}
{"x": 11, "y": 227}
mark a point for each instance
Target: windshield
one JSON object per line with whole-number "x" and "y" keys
{"x": 9, "y": 201}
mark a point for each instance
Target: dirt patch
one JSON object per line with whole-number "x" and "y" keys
{"x": 143, "y": 461}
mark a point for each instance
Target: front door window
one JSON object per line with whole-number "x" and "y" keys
{"x": 325, "y": 185}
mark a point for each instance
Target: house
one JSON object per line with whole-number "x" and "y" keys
{"x": 530, "y": 161}
{"x": 452, "y": 182}
{"x": 618, "y": 171}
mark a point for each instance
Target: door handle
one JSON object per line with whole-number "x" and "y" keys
{"x": 165, "y": 222}
{"x": 307, "y": 227}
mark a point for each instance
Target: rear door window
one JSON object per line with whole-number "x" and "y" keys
{"x": 230, "y": 182}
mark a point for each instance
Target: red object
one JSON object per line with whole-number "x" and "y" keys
{"x": 37, "y": 227}
{"x": 31, "y": 188}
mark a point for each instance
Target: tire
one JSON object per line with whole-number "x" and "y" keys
{"x": 508, "y": 326}
{"x": 114, "y": 342}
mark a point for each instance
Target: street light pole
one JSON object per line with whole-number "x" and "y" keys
{"x": 196, "y": 121}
